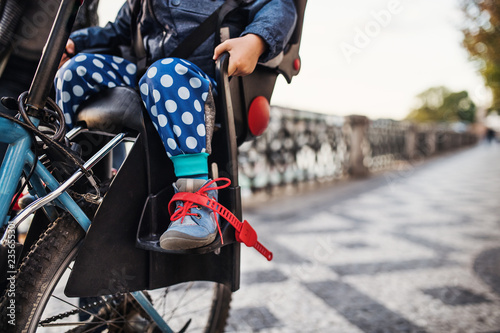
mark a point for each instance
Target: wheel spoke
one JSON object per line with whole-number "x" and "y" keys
{"x": 180, "y": 300}
{"x": 204, "y": 305}
{"x": 81, "y": 309}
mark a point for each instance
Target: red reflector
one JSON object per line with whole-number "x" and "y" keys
{"x": 258, "y": 115}
{"x": 296, "y": 64}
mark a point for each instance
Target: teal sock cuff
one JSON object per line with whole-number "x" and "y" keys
{"x": 186, "y": 165}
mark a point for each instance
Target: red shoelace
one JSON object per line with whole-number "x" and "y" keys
{"x": 185, "y": 209}
{"x": 244, "y": 231}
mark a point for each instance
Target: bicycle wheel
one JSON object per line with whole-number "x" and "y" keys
{"x": 41, "y": 305}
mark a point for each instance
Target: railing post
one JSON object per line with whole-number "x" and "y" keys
{"x": 411, "y": 141}
{"x": 358, "y": 128}
{"x": 431, "y": 137}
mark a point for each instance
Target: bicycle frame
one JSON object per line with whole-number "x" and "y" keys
{"x": 19, "y": 155}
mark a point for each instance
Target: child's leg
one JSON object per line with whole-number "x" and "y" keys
{"x": 86, "y": 74}
{"x": 178, "y": 97}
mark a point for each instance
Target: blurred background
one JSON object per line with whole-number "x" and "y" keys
{"x": 382, "y": 58}
{"x": 377, "y": 183}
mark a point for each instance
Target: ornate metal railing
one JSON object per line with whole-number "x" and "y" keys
{"x": 304, "y": 147}
{"x": 297, "y": 147}
{"x": 387, "y": 143}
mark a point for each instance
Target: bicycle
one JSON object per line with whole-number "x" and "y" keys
{"x": 78, "y": 207}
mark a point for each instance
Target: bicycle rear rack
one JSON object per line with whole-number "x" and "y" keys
{"x": 60, "y": 190}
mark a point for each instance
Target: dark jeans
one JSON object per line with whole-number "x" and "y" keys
{"x": 15, "y": 80}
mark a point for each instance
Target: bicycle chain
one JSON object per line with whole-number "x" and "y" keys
{"x": 87, "y": 307}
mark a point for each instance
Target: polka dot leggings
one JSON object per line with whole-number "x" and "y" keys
{"x": 174, "y": 92}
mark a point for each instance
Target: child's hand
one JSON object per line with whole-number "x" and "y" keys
{"x": 244, "y": 53}
{"x": 68, "y": 52}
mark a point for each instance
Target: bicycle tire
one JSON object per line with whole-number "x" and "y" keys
{"x": 45, "y": 264}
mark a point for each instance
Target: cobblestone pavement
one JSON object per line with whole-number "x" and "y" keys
{"x": 415, "y": 250}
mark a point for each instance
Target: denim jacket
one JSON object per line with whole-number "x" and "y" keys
{"x": 165, "y": 23}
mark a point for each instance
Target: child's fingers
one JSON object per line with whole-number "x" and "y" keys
{"x": 63, "y": 60}
{"x": 70, "y": 48}
{"x": 221, "y": 48}
{"x": 226, "y": 46}
{"x": 69, "y": 52}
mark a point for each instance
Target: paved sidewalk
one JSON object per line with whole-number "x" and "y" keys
{"x": 416, "y": 250}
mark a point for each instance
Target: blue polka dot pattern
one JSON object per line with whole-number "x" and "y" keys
{"x": 86, "y": 74}
{"x": 173, "y": 90}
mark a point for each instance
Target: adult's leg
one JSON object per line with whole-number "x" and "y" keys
{"x": 15, "y": 80}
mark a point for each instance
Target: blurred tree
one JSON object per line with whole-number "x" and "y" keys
{"x": 439, "y": 104}
{"x": 482, "y": 40}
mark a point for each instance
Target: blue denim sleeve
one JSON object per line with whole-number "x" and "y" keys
{"x": 273, "y": 20}
{"x": 113, "y": 34}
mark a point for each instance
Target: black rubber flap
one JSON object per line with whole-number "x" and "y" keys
{"x": 109, "y": 260}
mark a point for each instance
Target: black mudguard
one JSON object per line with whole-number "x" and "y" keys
{"x": 109, "y": 260}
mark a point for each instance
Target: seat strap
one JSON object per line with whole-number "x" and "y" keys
{"x": 204, "y": 30}
{"x": 191, "y": 42}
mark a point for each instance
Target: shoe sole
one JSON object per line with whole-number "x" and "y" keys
{"x": 175, "y": 240}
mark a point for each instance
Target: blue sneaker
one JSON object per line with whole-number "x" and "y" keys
{"x": 193, "y": 226}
